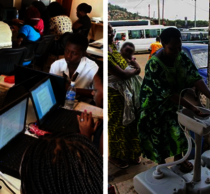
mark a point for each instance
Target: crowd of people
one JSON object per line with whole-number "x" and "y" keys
{"x": 152, "y": 130}
{"x": 42, "y": 20}
{"x": 62, "y": 162}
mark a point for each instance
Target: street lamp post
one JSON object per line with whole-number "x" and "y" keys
{"x": 195, "y": 13}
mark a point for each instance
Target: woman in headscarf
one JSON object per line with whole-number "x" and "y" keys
{"x": 28, "y": 32}
{"x": 167, "y": 74}
{"x": 83, "y": 24}
{"x": 44, "y": 14}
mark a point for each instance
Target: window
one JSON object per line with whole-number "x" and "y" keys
{"x": 152, "y": 33}
{"x": 204, "y": 36}
{"x": 200, "y": 57}
{"x": 184, "y": 37}
{"x": 120, "y": 36}
{"x": 135, "y": 34}
{"x": 195, "y": 36}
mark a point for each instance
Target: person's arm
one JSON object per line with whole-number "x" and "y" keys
{"x": 76, "y": 24}
{"x": 18, "y": 42}
{"x": 123, "y": 74}
{"x": 101, "y": 144}
{"x": 134, "y": 64}
{"x": 188, "y": 105}
{"x": 202, "y": 87}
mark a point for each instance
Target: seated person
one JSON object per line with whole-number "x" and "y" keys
{"x": 5, "y": 31}
{"x": 62, "y": 163}
{"x": 83, "y": 24}
{"x": 86, "y": 124}
{"x": 75, "y": 61}
{"x": 59, "y": 22}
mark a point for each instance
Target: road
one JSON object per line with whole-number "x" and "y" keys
{"x": 142, "y": 60}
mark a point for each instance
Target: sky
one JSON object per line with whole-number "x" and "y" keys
{"x": 174, "y": 9}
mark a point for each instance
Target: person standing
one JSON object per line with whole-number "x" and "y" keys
{"x": 155, "y": 47}
{"x": 83, "y": 24}
{"x": 123, "y": 138}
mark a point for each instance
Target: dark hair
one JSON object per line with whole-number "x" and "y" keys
{"x": 78, "y": 39}
{"x": 55, "y": 9}
{"x": 32, "y": 13}
{"x": 1, "y": 12}
{"x": 128, "y": 44}
{"x": 44, "y": 14}
{"x": 158, "y": 38}
{"x": 100, "y": 73}
{"x": 168, "y": 34}
{"x": 84, "y": 7}
{"x": 62, "y": 163}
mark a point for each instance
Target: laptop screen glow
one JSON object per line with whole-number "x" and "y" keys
{"x": 44, "y": 98}
{"x": 12, "y": 122}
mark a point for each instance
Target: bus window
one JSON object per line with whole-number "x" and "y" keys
{"x": 158, "y": 32}
{"x": 135, "y": 34}
{"x": 204, "y": 36}
{"x": 151, "y": 33}
{"x": 184, "y": 37}
{"x": 195, "y": 36}
{"x": 120, "y": 36}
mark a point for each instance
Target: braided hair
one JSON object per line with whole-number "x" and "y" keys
{"x": 62, "y": 164}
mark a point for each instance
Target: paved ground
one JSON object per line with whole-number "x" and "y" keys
{"x": 142, "y": 60}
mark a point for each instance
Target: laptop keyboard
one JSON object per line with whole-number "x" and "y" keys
{"x": 11, "y": 154}
{"x": 62, "y": 120}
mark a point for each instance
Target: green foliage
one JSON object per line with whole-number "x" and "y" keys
{"x": 118, "y": 13}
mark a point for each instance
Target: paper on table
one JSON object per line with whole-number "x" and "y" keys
{"x": 96, "y": 111}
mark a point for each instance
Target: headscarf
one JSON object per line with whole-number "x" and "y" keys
{"x": 32, "y": 16}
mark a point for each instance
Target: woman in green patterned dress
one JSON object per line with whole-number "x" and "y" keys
{"x": 123, "y": 140}
{"x": 167, "y": 73}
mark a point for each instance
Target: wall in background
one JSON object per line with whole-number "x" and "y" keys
{"x": 97, "y": 11}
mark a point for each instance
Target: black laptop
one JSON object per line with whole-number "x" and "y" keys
{"x": 13, "y": 141}
{"x": 50, "y": 115}
{"x": 17, "y": 91}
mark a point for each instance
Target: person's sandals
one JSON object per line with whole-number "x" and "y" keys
{"x": 186, "y": 166}
{"x": 118, "y": 163}
{"x": 137, "y": 161}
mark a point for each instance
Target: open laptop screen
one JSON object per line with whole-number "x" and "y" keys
{"x": 44, "y": 98}
{"x": 12, "y": 122}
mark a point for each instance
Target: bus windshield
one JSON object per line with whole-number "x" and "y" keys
{"x": 200, "y": 57}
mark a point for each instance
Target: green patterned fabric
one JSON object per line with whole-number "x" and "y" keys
{"x": 159, "y": 132}
{"x": 123, "y": 140}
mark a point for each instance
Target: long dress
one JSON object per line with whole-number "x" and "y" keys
{"x": 123, "y": 140}
{"x": 158, "y": 128}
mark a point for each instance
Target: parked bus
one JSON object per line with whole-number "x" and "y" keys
{"x": 199, "y": 29}
{"x": 141, "y": 36}
{"x": 195, "y": 37}
{"x": 121, "y": 23}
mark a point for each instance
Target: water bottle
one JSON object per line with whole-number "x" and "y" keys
{"x": 70, "y": 96}
{"x": 17, "y": 15}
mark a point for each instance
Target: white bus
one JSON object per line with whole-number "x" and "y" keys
{"x": 199, "y": 29}
{"x": 141, "y": 36}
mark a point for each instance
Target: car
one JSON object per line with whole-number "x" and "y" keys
{"x": 198, "y": 53}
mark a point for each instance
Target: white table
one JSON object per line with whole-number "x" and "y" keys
{"x": 95, "y": 51}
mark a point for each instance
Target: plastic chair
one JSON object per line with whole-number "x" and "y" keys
{"x": 11, "y": 57}
{"x": 31, "y": 47}
{"x": 42, "y": 50}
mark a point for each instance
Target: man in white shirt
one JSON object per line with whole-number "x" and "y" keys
{"x": 75, "y": 61}
{"x": 5, "y": 31}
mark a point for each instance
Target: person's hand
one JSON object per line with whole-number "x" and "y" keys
{"x": 86, "y": 124}
{"x": 199, "y": 113}
{"x": 134, "y": 64}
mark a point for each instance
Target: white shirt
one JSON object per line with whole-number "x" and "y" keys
{"x": 5, "y": 36}
{"x": 86, "y": 69}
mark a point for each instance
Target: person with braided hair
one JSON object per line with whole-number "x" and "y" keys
{"x": 62, "y": 163}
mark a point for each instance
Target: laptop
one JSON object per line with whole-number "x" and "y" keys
{"x": 51, "y": 116}
{"x": 13, "y": 141}
{"x": 58, "y": 83}
{"x": 17, "y": 91}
